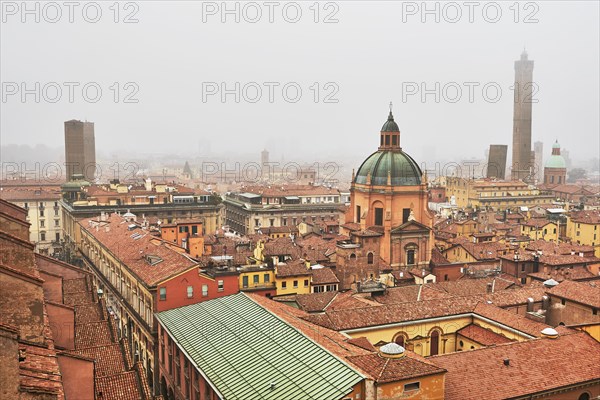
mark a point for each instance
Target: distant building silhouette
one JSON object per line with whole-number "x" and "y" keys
{"x": 538, "y": 149}
{"x": 497, "y": 161}
{"x": 521, "y": 146}
{"x": 80, "y": 149}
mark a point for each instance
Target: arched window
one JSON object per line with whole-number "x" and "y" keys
{"x": 400, "y": 339}
{"x": 370, "y": 258}
{"x": 434, "y": 342}
{"x": 352, "y": 256}
{"x": 584, "y": 396}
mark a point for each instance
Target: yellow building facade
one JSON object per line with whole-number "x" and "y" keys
{"x": 433, "y": 336}
{"x": 294, "y": 280}
{"x": 547, "y": 231}
{"x": 482, "y": 193}
{"x": 584, "y": 228}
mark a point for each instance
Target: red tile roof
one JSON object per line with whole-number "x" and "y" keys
{"x": 31, "y": 193}
{"x": 587, "y": 293}
{"x": 118, "y": 387}
{"x": 537, "y": 222}
{"x": 362, "y": 342}
{"x": 484, "y": 337}
{"x": 322, "y": 276}
{"x": 508, "y": 318}
{"x": 39, "y": 371}
{"x": 109, "y": 358}
{"x": 298, "y": 268}
{"x": 116, "y": 237}
{"x": 552, "y": 248}
{"x": 345, "y": 319}
{"x": 342, "y": 319}
{"x": 561, "y": 274}
{"x": 386, "y": 369}
{"x": 534, "y": 366}
{"x": 586, "y": 217}
{"x": 513, "y": 297}
{"x": 315, "y": 302}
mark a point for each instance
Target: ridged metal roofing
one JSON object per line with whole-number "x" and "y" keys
{"x": 403, "y": 170}
{"x": 242, "y": 349}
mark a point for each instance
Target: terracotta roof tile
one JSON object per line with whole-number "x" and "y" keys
{"x": 115, "y": 235}
{"x": 513, "y": 297}
{"x": 76, "y": 298}
{"x": 315, "y": 302}
{"x": 563, "y": 248}
{"x": 561, "y": 274}
{"x": 109, "y": 359}
{"x": 586, "y": 217}
{"x": 292, "y": 269}
{"x": 321, "y": 276}
{"x": 534, "y": 366}
{"x": 93, "y": 334}
{"x": 537, "y": 222}
{"x": 31, "y": 193}
{"x": 85, "y": 313}
{"x": 394, "y": 369}
{"x": 508, "y": 318}
{"x": 39, "y": 370}
{"x": 118, "y": 387}
{"x": 362, "y": 342}
{"x": 482, "y": 336}
{"x": 587, "y": 293}
{"x": 345, "y": 319}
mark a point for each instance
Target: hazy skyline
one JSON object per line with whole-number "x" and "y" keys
{"x": 171, "y": 55}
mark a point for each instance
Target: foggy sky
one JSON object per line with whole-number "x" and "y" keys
{"x": 370, "y": 54}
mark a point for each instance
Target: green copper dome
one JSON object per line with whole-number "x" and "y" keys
{"x": 390, "y": 125}
{"x": 403, "y": 170}
{"x": 556, "y": 161}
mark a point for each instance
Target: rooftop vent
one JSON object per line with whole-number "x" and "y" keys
{"x": 153, "y": 260}
{"x": 392, "y": 350}
{"x": 549, "y": 333}
{"x": 550, "y": 283}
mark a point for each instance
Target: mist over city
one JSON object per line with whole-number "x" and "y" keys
{"x": 291, "y": 200}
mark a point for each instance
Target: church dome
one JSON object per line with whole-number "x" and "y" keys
{"x": 556, "y": 160}
{"x": 403, "y": 170}
{"x": 390, "y": 160}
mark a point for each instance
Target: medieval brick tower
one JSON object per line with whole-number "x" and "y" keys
{"x": 521, "y": 147}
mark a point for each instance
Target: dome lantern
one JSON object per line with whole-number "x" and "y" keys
{"x": 390, "y": 134}
{"x": 389, "y": 165}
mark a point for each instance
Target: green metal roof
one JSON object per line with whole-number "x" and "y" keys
{"x": 556, "y": 161}
{"x": 390, "y": 125}
{"x": 242, "y": 349}
{"x": 402, "y": 168}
